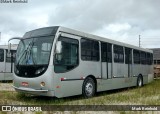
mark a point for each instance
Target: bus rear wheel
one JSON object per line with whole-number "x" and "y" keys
{"x": 88, "y": 88}
{"x": 139, "y": 81}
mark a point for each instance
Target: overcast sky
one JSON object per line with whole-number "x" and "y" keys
{"x": 122, "y": 20}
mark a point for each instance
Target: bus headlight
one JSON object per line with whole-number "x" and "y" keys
{"x": 39, "y": 70}
{"x": 42, "y": 84}
{"x": 17, "y": 71}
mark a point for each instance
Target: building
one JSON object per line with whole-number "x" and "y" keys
{"x": 156, "y": 58}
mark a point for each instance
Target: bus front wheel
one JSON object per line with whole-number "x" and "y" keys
{"x": 88, "y": 88}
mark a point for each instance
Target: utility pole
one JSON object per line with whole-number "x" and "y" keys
{"x": 139, "y": 40}
{"x": 0, "y": 36}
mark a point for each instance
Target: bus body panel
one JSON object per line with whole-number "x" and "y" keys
{"x": 136, "y": 70}
{"x": 70, "y": 83}
{"x": 118, "y": 70}
{"x": 1, "y": 76}
{"x": 109, "y": 70}
{"x": 8, "y": 76}
{"x": 150, "y": 78}
{"x": 116, "y": 83}
{"x": 106, "y": 70}
{"x": 128, "y": 70}
{"x": 2, "y": 70}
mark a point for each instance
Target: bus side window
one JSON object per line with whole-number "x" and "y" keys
{"x": 136, "y": 56}
{"x": 69, "y": 57}
{"x": 106, "y": 52}
{"x": 143, "y": 58}
{"x": 128, "y": 55}
{"x": 149, "y": 58}
{"x": 109, "y": 53}
{"x": 89, "y": 50}
{"x": 118, "y": 54}
{"x": 1, "y": 55}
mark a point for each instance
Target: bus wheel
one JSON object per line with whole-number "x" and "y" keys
{"x": 139, "y": 81}
{"x": 88, "y": 89}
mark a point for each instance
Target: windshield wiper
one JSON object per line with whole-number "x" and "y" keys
{"x": 25, "y": 53}
{"x": 29, "y": 55}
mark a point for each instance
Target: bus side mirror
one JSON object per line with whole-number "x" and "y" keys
{"x": 59, "y": 47}
{"x": 58, "y": 53}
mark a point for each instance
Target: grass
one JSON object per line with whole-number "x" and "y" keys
{"x": 146, "y": 95}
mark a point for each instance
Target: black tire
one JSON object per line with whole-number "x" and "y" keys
{"x": 139, "y": 81}
{"x": 88, "y": 88}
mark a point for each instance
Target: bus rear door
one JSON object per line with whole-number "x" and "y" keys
{"x": 106, "y": 58}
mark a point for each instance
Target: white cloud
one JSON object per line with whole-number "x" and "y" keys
{"x": 117, "y": 27}
{"x": 122, "y": 20}
{"x": 39, "y": 20}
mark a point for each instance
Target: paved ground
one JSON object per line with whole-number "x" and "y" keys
{"x": 6, "y": 87}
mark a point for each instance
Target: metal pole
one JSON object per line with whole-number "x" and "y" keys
{"x": 139, "y": 40}
{"x": 0, "y": 36}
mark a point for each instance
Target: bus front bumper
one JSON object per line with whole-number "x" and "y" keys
{"x": 38, "y": 92}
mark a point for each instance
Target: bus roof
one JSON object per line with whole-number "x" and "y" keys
{"x": 54, "y": 29}
{"x": 95, "y": 37}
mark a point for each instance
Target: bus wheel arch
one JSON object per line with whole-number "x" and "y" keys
{"x": 89, "y": 86}
{"x": 140, "y": 80}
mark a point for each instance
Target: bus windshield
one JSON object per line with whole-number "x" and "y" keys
{"x": 33, "y": 55}
{"x": 34, "y": 51}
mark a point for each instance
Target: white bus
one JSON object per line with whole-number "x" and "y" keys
{"x": 7, "y": 62}
{"x": 60, "y": 62}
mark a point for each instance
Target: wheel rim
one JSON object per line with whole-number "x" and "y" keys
{"x": 89, "y": 89}
{"x": 140, "y": 82}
